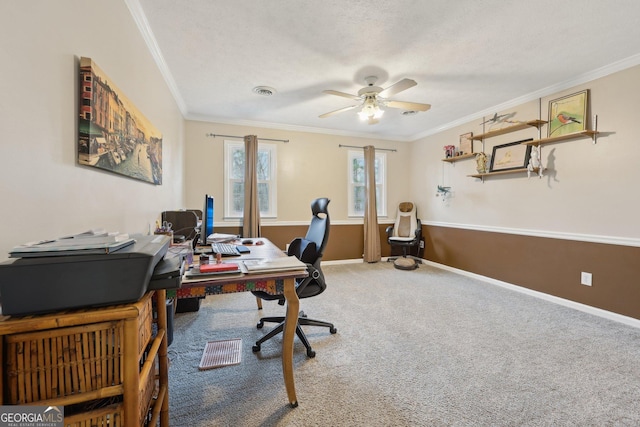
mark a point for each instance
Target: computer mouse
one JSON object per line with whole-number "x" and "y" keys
{"x": 259, "y": 242}
{"x": 247, "y": 242}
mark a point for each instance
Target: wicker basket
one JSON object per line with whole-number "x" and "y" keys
{"x": 63, "y": 362}
{"x": 109, "y": 416}
{"x": 147, "y": 394}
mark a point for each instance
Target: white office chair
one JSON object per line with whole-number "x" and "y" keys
{"x": 407, "y": 234}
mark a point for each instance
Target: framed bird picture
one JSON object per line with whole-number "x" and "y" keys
{"x": 568, "y": 114}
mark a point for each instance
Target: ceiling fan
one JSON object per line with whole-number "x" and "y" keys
{"x": 372, "y": 98}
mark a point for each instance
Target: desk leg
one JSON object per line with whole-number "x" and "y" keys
{"x": 289, "y": 333}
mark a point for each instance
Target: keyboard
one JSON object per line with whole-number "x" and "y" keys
{"x": 225, "y": 249}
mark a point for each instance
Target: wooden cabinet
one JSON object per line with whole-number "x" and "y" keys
{"x": 106, "y": 366}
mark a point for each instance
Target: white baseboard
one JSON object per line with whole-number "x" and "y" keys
{"x": 551, "y": 298}
{"x": 630, "y": 321}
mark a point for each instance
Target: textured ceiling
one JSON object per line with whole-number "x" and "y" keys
{"x": 469, "y": 57}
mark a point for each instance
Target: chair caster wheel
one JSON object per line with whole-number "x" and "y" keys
{"x": 333, "y": 330}
{"x": 311, "y": 353}
{"x": 260, "y": 324}
{"x": 255, "y": 348}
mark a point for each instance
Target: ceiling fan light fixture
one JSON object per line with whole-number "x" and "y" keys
{"x": 372, "y": 98}
{"x": 370, "y": 109}
{"x": 264, "y": 90}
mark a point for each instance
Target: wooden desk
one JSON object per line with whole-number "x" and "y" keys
{"x": 275, "y": 283}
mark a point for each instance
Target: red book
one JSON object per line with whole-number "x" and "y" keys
{"x": 215, "y": 267}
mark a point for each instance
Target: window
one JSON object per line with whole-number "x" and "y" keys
{"x": 356, "y": 183}
{"x": 234, "y": 179}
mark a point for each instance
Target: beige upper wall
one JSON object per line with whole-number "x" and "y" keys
{"x": 591, "y": 190}
{"x": 310, "y": 165}
{"x": 44, "y": 192}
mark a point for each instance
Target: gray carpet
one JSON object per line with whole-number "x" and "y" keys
{"x": 414, "y": 348}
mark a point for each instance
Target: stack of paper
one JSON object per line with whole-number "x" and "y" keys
{"x": 72, "y": 246}
{"x": 274, "y": 264}
{"x": 205, "y": 271}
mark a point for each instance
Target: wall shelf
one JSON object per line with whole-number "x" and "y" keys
{"x": 460, "y": 157}
{"x": 510, "y": 171}
{"x": 535, "y": 142}
{"x": 574, "y": 135}
{"x": 509, "y": 129}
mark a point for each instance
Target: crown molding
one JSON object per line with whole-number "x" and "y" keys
{"x": 143, "y": 25}
{"x": 147, "y": 34}
{"x": 623, "y": 64}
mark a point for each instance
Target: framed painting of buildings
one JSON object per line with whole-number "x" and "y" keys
{"x": 113, "y": 135}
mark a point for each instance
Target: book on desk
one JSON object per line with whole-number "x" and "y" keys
{"x": 265, "y": 265}
{"x": 239, "y": 268}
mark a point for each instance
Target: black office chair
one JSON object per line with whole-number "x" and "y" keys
{"x": 308, "y": 250}
{"x": 407, "y": 234}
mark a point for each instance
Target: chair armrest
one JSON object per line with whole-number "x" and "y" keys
{"x": 419, "y": 230}
{"x": 313, "y": 274}
{"x": 389, "y": 230}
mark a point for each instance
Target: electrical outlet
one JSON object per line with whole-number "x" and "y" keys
{"x": 421, "y": 244}
{"x": 585, "y": 278}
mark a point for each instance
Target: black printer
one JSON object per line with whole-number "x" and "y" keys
{"x": 40, "y": 284}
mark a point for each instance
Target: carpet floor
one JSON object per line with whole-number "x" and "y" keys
{"x": 414, "y": 348}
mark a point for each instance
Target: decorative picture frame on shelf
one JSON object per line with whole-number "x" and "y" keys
{"x": 514, "y": 155}
{"x": 466, "y": 143}
{"x": 568, "y": 114}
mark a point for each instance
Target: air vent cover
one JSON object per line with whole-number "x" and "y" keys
{"x": 264, "y": 90}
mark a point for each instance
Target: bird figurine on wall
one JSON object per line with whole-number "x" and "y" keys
{"x": 443, "y": 192}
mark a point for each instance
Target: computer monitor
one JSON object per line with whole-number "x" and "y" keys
{"x": 206, "y": 228}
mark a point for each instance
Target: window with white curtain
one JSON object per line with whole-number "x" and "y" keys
{"x": 234, "y": 158}
{"x": 356, "y": 191}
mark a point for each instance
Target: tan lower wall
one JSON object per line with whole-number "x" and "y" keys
{"x": 552, "y": 266}
{"x": 547, "y": 265}
{"x": 345, "y": 241}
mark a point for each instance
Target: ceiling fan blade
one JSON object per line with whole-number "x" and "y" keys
{"x": 343, "y": 94}
{"x": 398, "y": 87}
{"x": 409, "y": 106}
{"x": 331, "y": 113}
